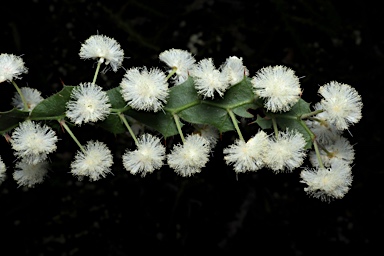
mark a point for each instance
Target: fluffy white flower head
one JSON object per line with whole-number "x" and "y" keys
{"x": 29, "y": 175}
{"x": 234, "y": 69}
{"x": 208, "y": 79}
{"x": 180, "y": 60}
{"x": 325, "y": 131}
{"x": 105, "y": 48}
{"x": 342, "y": 103}
{"x": 279, "y": 86}
{"x": 89, "y": 103}
{"x": 338, "y": 149}
{"x": 33, "y": 141}
{"x": 95, "y": 162}
{"x": 247, "y": 156}
{"x": 286, "y": 152}
{"x": 209, "y": 132}
{"x": 327, "y": 183}
{"x": 148, "y": 156}
{"x": 3, "y": 169}
{"x": 11, "y": 67}
{"x": 188, "y": 158}
{"x": 31, "y": 95}
{"x": 145, "y": 90}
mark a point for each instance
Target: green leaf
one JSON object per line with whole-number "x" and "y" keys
{"x": 300, "y": 108}
{"x": 116, "y": 99}
{"x": 161, "y": 121}
{"x": 291, "y": 120}
{"x": 10, "y": 119}
{"x": 53, "y": 107}
{"x": 113, "y": 124}
{"x": 239, "y": 98}
{"x": 243, "y": 110}
{"x": 181, "y": 96}
{"x": 264, "y": 123}
{"x": 207, "y": 114}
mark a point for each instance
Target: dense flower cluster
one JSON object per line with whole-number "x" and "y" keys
{"x": 210, "y": 97}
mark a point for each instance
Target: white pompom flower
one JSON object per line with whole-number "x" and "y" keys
{"x": 209, "y": 132}
{"x": 188, "y": 158}
{"x": 95, "y": 162}
{"x": 148, "y": 156}
{"x": 342, "y": 103}
{"x": 339, "y": 149}
{"x": 11, "y": 67}
{"x": 29, "y": 175}
{"x": 33, "y": 142}
{"x": 247, "y": 156}
{"x": 145, "y": 89}
{"x": 327, "y": 183}
{"x": 208, "y": 80}
{"x": 89, "y": 103}
{"x": 180, "y": 60}
{"x": 31, "y": 95}
{"x": 3, "y": 169}
{"x": 104, "y": 48}
{"x": 286, "y": 152}
{"x": 324, "y": 130}
{"x": 278, "y": 86}
{"x": 234, "y": 70}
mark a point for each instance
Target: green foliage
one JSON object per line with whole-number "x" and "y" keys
{"x": 53, "y": 107}
{"x": 10, "y": 119}
{"x": 183, "y": 101}
{"x": 291, "y": 120}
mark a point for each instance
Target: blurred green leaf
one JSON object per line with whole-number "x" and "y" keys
{"x": 53, "y": 107}
{"x": 162, "y": 122}
{"x": 10, "y": 119}
{"x": 291, "y": 120}
{"x": 181, "y": 96}
{"x": 115, "y": 98}
{"x": 113, "y": 124}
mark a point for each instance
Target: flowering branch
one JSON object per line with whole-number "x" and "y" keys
{"x": 209, "y": 98}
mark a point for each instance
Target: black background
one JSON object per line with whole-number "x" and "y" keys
{"x": 214, "y": 211}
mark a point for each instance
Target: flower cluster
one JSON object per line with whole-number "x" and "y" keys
{"x": 32, "y": 142}
{"x": 149, "y": 103}
{"x": 339, "y": 108}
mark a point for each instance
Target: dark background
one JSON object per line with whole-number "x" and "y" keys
{"x": 213, "y": 211}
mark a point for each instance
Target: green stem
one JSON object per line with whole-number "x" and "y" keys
{"x": 329, "y": 154}
{"x": 21, "y": 95}
{"x": 186, "y": 106}
{"x": 304, "y": 125}
{"x": 304, "y": 116}
{"x": 178, "y": 125}
{"x": 275, "y": 129}
{"x": 171, "y": 73}
{"x": 234, "y": 122}
{"x": 315, "y": 119}
{"x": 125, "y": 121}
{"x": 101, "y": 60}
{"x": 120, "y": 110}
{"x": 226, "y": 106}
{"x": 63, "y": 124}
{"x": 321, "y": 165}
